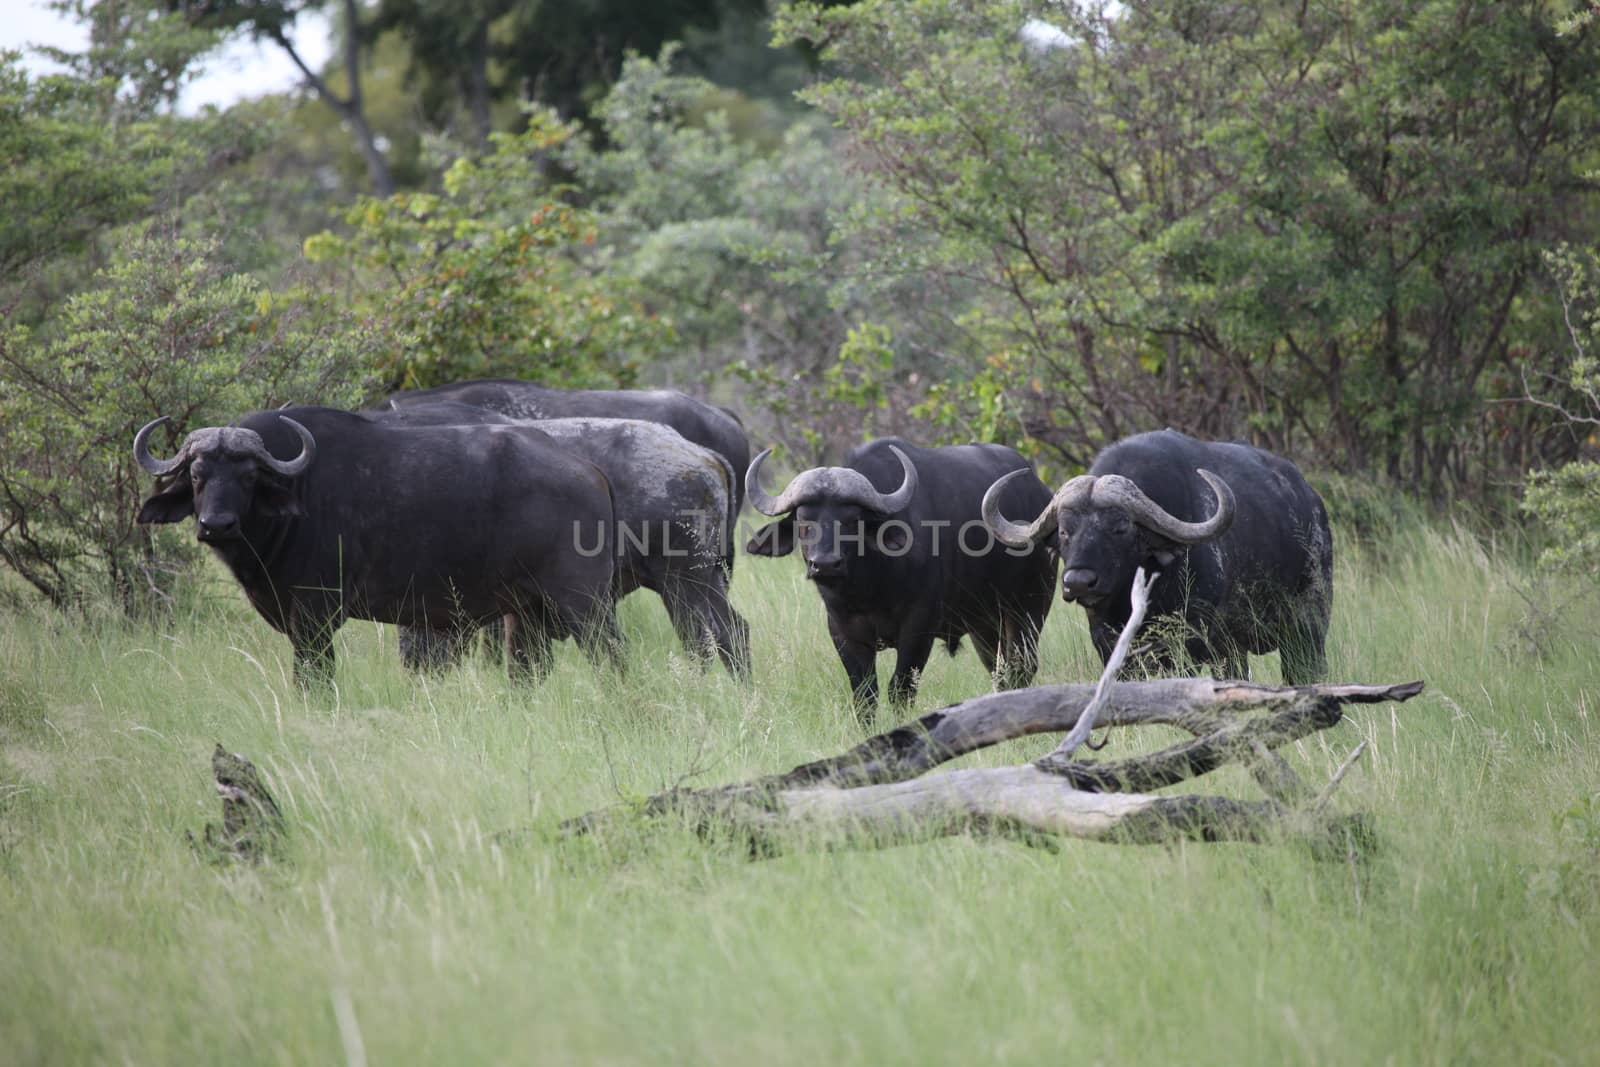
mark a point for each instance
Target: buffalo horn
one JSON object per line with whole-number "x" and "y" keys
{"x": 289, "y": 468}
{"x": 837, "y": 483}
{"x": 1021, "y": 535}
{"x": 141, "y": 451}
{"x": 1115, "y": 490}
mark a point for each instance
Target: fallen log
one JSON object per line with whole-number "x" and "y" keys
{"x": 252, "y": 825}
{"x": 878, "y": 792}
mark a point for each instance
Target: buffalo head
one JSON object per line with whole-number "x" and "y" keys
{"x": 837, "y": 516}
{"x": 1105, "y": 529}
{"x": 220, "y": 475}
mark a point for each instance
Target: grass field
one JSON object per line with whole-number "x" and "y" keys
{"x": 396, "y": 930}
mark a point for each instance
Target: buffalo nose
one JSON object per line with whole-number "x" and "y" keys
{"x": 1077, "y": 582}
{"x": 220, "y": 525}
{"x": 824, "y": 568}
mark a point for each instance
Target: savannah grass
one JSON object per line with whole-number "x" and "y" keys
{"x": 396, "y": 928}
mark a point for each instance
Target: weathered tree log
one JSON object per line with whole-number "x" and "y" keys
{"x": 252, "y": 825}
{"x": 876, "y": 790}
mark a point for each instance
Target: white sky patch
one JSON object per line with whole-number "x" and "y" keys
{"x": 243, "y": 68}
{"x": 1045, "y": 36}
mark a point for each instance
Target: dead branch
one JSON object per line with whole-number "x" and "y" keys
{"x": 1086, "y": 719}
{"x": 1321, "y": 803}
{"x": 877, "y": 791}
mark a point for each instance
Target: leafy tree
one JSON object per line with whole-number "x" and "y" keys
{"x": 565, "y": 55}
{"x": 1314, "y": 226}
{"x": 70, "y": 170}
{"x": 730, "y": 237}
{"x": 167, "y": 329}
{"x": 452, "y": 47}
{"x": 271, "y": 20}
{"x": 140, "y": 55}
{"x": 1567, "y": 498}
{"x": 489, "y": 277}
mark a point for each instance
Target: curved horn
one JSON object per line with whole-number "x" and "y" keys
{"x": 1015, "y": 534}
{"x": 141, "y": 451}
{"x": 1113, "y": 489}
{"x": 845, "y": 484}
{"x": 1019, "y": 535}
{"x": 759, "y": 498}
{"x": 289, "y": 468}
{"x": 890, "y": 503}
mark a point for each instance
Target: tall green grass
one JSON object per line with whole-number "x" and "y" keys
{"x": 397, "y": 929}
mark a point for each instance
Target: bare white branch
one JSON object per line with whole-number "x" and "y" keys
{"x": 1326, "y": 795}
{"x": 1140, "y": 598}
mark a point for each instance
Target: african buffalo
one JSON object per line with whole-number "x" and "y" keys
{"x": 903, "y": 567}
{"x": 709, "y": 427}
{"x": 1241, "y": 541}
{"x": 675, "y": 514}
{"x": 323, "y": 515}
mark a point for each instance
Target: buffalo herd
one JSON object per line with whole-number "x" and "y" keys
{"x": 528, "y": 512}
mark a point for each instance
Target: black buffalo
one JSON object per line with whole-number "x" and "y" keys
{"x": 675, "y": 514}
{"x": 1241, "y": 541}
{"x": 897, "y": 547}
{"x": 709, "y": 427}
{"x": 323, "y": 515}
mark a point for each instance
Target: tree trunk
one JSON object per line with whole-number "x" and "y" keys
{"x": 351, "y": 108}
{"x": 477, "y": 78}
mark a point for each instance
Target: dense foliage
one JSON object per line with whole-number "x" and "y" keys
{"x": 1567, "y": 498}
{"x": 1317, "y": 227}
{"x": 486, "y": 278}
{"x": 1320, "y": 229}
{"x": 164, "y": 329}
{"x": 70, "y": 171}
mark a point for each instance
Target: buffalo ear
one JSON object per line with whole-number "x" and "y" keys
{"x": 172, "y": 504}
{"x": 1162, "y": 552}
{"x": 893, "y": 537}
{"x": 274, "y": 500}
{"x": 773, "y": 539}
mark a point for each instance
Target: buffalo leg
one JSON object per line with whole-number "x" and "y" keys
{"x": 423, "y": 649}
{"x": 312, "y": 639}
{"x": 733, "y": 643}
{"x": 603, "y": 643}
{"x": 911, "y": 656}
{"x": 527, "y": 644}
{"x": 597, "y": 633}
{"x": 689, "y": 621}
{"x": 494, "y": 641}
{"x": 1019, "y": 653}
{"x": 861, "y": 666}
{"x": 986, "y": 644}
{"x": 1305, "y": 659}
{"x": 706, "y": 622}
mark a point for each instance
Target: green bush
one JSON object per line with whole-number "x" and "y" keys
{"x": 488, "y": 277}
{"x": 1567, "y": 498}
{"x": 166, "y": 329}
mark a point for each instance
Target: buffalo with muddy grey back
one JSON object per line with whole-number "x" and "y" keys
{"x": 675, "y": 512}
{"x": 709, "y": 427}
